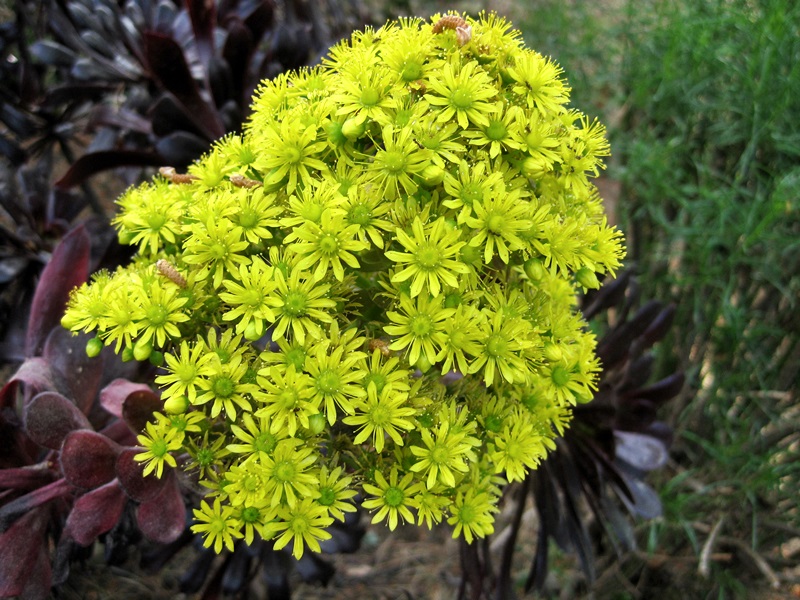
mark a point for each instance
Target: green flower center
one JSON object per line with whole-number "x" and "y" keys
{"x": 412, "y": 71}
{"x": 218, "y": 251}
{"x": 394, "y": 497}
{"x": 205, "y": 457}
{"x": 250, "y": 514}
{"x": 496, "y": 130}
{"x": 293, "y": 154}
{"x": 493, "y": 423}
{"x": 428, "y": 256}
{"x": 380, "y": 415}
{"x": 159, "y": 448}
{"x": 284, "y": 471}
{"x": 250, "y": 483}
{"x": 379, "y": 379}
{"x": 296, "y": 357}
{"x": 328, "y": 381}
{"x": 328, "y": 244}
{"x": 223, "y": 387}
{"x": 295, "y": 303}
{"x": 560, "y": 376}
{"x": 156, "y": 221}
{"x": 471, "y": 192}
{"x": 457, "y": 338}
{"x": 495, "y": 223}
{"x": 370, "y": 96}
{"x": 248, "y": 219}
{"x": 287, "y": 399}
{"x": 312, "y": 212}
{"x": 252, "y": 298}
{"x": 360, "y": 215}
{"x": 421, "y": 325}
{"x": 466, "y": 514}
{"x": 395, "y": 161}
{"x": 157, "y": 315}
{"x": 326, "y": 496}
{"x": 440, "y": 455}
{"x": 265, "y": 442}
{"x": 496, "y": 345}
{"x": 461, "y": 99}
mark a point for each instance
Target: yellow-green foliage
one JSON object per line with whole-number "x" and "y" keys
{"x": 418, "y": 205}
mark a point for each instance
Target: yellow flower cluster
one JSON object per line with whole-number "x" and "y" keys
{"x": 372, "y": 290}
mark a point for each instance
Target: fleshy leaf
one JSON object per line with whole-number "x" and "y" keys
{"x": 76, "y": 375}
{"x": 162, "y": 519}
{"x": 96, "y": 162}
{"x": 67, "y": 269}
{"x": 642, "y": 452}
{"x": 20, "y": 549}
{"x": 25, "y": 504}
{"x": 88, "y": 459}
{"x": 129, "y": 473}
{"x": 114, "y": 396}
{"x": 25, "y": 478}
{"x": 96, "y": 512}
{"x": 49, "y": 417}
{"x": 34, "y": 373}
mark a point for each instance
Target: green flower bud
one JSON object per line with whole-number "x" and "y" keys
{"x": 432, "y": 175}
{"x": 354, "y": 127}
{"x": 142, "y": 350}
{"x": 127, "y": 354}
{"x": 423, "y": 364}
{"x": 552, "y": 352}
{"x": 316, "y": 423}
{"x": 253, "y": 331}
{"x": 156, "y": 358}
{"x": 176, "y": 405}
{"x": 534, "y": 269}
{"x": 587, "y": 278}
{"x": 93, "y": 347}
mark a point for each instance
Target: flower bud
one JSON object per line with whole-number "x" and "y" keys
{"x": 432, "y": 175}
{"x": 534, "y": 269}
{"x": 316, "y": 423}
{"x": 93, "y": 347}
{"x": 587, "y": 278}
{"x": 552, "y": 352}
{"x": 254, "y": 331}
{"x": 354, "y": 127}
{"x": 176, "y": 405}
{"x": 142, "y": 350}
{"x": 156, "y": 358}
{"x": 423, "y": 364}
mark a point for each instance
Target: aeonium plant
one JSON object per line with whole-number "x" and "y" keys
{"x": 371, "y": 291}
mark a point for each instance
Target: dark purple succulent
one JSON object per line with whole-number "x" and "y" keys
{"x": 67, "y": 468}
{"x": 596, "y": 475}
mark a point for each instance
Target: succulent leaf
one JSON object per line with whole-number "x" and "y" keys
{"x": 162, "y": 518}
{"x": 96, "y": 512}
{"x": 130, "y": 474}
{"x": 49, "y": 417}
{"x": 67, "y": 269}
{"x": 88, "y": 459}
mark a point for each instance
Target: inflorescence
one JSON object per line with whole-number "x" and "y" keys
{"x": 371, "y": 290}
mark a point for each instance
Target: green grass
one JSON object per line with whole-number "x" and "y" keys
{"x": 708, "y": 151}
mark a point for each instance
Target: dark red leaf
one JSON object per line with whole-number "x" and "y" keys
{"x": 35, "y": 374}
{"x": 88, "y": 459}
{"x": 130, "y": 475}
{"x": 139, "y": 407}
{"x": 25, "y": 478}
{"x": 76, "y": 375}
{"x": 96, "y": 512}
{"x": 97, "y": 162}
{"x": 20, "y": 550}
{"x": 24, "y": 504}
{"x": 162, "y": 519}
{"x": 661, "y": 391}
{"x": 203, "y": 15}
{"x": 67, "y": 269}
{"x": 167, "y": 63}
{"x": 113, "y": 396}
{"x": 49, "y": 417}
